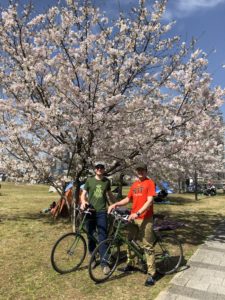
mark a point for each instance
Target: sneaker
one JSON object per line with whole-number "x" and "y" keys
{"x": 106, "y": 270}
{"x": 126, "y": 269}
{"x": 149, "y": 281}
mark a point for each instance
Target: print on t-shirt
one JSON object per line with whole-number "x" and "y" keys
{"x": 138, "y": 190}
{"x": 98, "y": 193}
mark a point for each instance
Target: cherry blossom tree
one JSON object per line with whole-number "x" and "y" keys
{"x": 79, "y": 87}
{"x": 202, "y": 156}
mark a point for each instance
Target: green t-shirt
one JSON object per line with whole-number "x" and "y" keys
{"x": 97, "y": 192}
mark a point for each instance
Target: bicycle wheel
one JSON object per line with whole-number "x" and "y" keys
{"x": 68, "y": 253}
{"x": 168, "y": 254}
{"x": 101, "y": 268}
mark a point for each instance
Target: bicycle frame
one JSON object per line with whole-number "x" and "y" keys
{"x": 81, "y": 229}
{"x": 119, "y": 237}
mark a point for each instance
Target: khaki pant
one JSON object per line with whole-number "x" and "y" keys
{"x": 142, "y": 230}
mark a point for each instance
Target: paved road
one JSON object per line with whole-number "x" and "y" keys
{"x": 205, "y": 276}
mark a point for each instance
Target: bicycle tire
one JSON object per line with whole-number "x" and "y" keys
{"x": 168, "y": 254}
{"x": 110, "y": 259}
{"x": 68, "y": 253}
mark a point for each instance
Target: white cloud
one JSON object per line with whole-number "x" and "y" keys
{"x": 192, "y": 5}
{"x": 183, "y": 8}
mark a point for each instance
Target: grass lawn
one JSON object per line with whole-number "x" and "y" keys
{"x": 27, "y": 236}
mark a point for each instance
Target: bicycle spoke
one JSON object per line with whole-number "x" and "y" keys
{"x": 68, "y": 253}
{"x": 168, "y": 254}
{"x": 102, "y": 267}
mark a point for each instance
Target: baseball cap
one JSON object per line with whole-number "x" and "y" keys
{"x": 99, "y": 165}
{"x": 141, "y": 166}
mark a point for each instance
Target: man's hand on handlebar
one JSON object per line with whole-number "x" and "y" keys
{"x": 111, "y": 207}
{"x": 132, "y": 217}
{"x": 84, "y": 205}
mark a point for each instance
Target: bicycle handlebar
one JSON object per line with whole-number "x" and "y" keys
{"x": 119, "y": 216}
{"x": 87, "y": 210}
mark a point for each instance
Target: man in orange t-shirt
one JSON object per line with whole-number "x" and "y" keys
{"x": 141, "y": 195}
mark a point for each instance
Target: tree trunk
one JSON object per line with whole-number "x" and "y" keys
{"x": 179, "y": 186}
{"x": 120, "y": 187}
{"x": 196, "y": 185}
{"x": 76, "y": 199}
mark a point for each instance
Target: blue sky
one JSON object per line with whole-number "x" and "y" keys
{"x": 201, "y": 19}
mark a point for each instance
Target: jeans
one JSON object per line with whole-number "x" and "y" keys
{"x": 97, "y": 220}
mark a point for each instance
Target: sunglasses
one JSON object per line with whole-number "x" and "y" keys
{"x": 99, "y": 167}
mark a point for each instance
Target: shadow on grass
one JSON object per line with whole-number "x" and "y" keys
{"x": 197, "y": 226}
{"x": 158, "y": 276}
{"x": 45, "y": 218}
{"x": 115, "y": 277}
{"x": 183, "y": 199}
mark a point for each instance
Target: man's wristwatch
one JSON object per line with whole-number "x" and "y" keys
{"x": 138, "y": 214}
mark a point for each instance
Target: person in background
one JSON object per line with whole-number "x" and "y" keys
{"x": 141, "y": 195}
{"x": 95, "y": 193}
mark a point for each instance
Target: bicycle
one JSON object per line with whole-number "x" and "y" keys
{"x": 168, "y": 251}
{"x": 69, "y": 251}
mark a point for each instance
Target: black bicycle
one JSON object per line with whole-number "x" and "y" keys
{"x": 70, "y": 250}
{"x": 168, "y": 251}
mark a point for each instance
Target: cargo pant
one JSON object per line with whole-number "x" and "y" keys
{"x": 142, "y": 230}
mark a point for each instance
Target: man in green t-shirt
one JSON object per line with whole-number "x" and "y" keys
{"x": 95, "y": 192}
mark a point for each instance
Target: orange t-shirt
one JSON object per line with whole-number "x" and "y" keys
{"x": 139, "y": 192}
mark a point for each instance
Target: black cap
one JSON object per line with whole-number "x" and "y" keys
{"x": 141, "y": 166}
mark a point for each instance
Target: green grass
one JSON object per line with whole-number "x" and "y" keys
{"x": 27, "y": 237}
